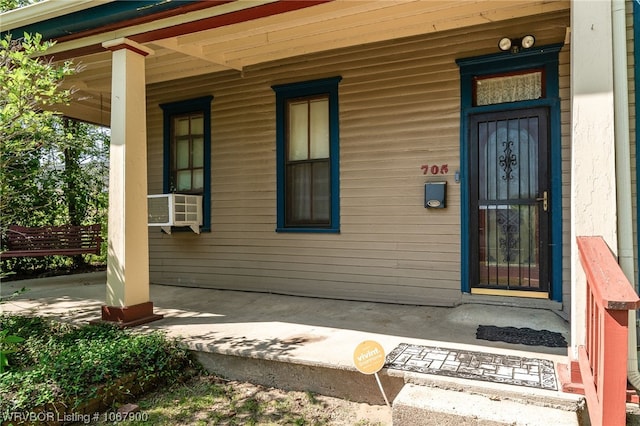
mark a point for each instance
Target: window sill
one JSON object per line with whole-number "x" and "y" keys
{"x": 310, "y": 230}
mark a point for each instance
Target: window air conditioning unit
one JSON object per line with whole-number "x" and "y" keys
{"x": 167, "y": 210}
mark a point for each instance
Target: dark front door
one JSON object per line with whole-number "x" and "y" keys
{"x": 509, "y": 200}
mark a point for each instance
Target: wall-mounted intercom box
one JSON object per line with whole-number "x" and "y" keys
{"x": 435, "y": 195}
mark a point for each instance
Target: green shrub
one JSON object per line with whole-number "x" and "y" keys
{"x": 61, "y": 364}
{"x": 9, "y": 344}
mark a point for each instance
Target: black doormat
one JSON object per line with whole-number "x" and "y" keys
{"x": 524, "y": 336}
{"x": 488, "y": 367}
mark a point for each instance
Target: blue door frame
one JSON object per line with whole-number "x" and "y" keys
{"x": 545, "y": 58}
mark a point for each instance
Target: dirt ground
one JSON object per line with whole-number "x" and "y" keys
{"x": 336, "y": 411}
{"x": 211, "y": 400}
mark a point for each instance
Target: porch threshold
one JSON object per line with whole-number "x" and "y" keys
{"x": 510, "y": 293}
{"x": 516, "y": 302}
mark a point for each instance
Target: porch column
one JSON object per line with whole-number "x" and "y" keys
{"x": 593, "y": 172}
{"x": 127, "y": 301}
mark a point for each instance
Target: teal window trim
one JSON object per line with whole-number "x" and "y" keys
{"x": 284, "y": 92}
{"x": 546, "y": 58}
{"x": 169, "y": 110}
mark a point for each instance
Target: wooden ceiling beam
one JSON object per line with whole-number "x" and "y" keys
{"x": 193, "y": 50}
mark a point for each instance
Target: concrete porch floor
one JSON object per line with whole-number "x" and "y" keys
{"x": 307, "y": 343}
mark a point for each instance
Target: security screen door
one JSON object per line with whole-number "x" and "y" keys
{"x": 509, "y": 200}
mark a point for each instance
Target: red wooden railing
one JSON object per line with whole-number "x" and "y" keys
{"x": 603, "y": 359}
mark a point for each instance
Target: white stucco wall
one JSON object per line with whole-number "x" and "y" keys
{"x": 593, "y": 188}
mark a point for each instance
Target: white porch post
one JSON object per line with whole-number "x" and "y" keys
{"x": 127, "y": 301}
{"x": 593, "y": 173}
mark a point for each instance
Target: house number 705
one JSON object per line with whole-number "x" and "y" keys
{"x": 435, "y": 169}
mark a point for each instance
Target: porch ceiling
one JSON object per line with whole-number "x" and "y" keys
{"x": 252, "y": 40}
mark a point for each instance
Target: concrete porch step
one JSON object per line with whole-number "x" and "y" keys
{"x": 303, "y": 375}
{"x": 424, "y": 405}
{"x": 416, "y": 399}
{"x": 436, "y": 400}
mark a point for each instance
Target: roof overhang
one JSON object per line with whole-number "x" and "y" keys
{"x": 196, "y": 37}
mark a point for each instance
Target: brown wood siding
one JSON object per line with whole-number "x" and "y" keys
{"x": 632, "y": 131}
{"x": 399, "y": 109}
{"x": 565, "y": 123}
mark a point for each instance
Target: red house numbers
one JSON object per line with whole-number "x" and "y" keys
{"x": 435, "y": 169}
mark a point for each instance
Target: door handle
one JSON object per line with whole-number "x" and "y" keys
{"x": 545, "y": 201}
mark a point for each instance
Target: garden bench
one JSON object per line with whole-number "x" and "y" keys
{"x": 66, "y": 240}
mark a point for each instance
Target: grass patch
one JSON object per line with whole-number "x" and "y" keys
{"x": 211, "y": 400}
{"x": 60, "y": 365}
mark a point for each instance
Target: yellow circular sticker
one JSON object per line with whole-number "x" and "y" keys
{"x": 369, "y": 357}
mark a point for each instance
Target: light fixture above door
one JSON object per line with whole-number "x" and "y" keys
{"x": 515, "y": 45}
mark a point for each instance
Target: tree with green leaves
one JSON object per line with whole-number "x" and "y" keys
{"x": 30, "y": 87}
{"x": 6, "y": 5}
{"x": 53, "y": 170}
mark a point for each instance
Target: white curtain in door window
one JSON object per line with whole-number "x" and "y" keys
{"x": 512, "y": 88}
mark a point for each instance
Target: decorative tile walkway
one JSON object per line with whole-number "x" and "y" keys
{"x": 508, "y": 369}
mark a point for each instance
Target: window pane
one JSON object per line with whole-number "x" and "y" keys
{"x": 181, "y": 126}
{"x": 198, "y": 152}
{"x": 182, "y": 154}
{"x": 319, "y": 128}
{"x": 198, "y": 179}
{"x": 298, "y": 131}
{"x": 308, "y": 193}
{"x": 298, "y": 192}
{"x": 321, "y": 193}
{"x": 184, "y": 180}
{"x": 511, "y": 88}
{"x": 197, "y": 125}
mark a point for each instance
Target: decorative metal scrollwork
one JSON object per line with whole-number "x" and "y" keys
{"x": 508, "y": 160}
{"x": 509, "y": 223}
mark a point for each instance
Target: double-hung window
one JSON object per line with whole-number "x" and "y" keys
{"x": 187, "y": 151}
{"x": 307, "y": 156}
